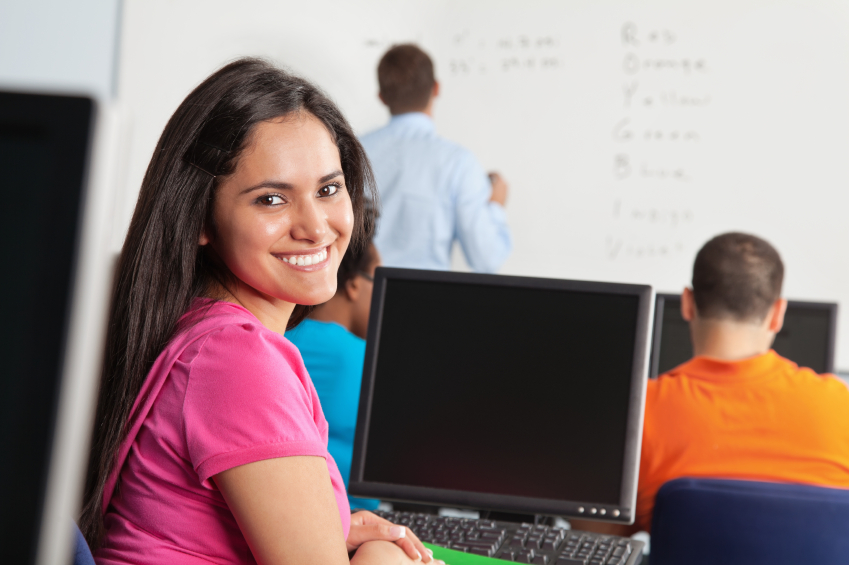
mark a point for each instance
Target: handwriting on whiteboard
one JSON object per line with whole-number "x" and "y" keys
{"x": 474, "y": 54}
{"x": 657, "y": 136}
{"x": 470, "y": 54}
{"x": 628, "y": 248}
{"x": 661, "y": 99}
{"x": 658, "y": 215}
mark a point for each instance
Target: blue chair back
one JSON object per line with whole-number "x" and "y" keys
{"x": 712, "y": 521}
{"x": 82, "y": 553}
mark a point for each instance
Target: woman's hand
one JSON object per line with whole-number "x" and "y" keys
{"x": 365, "y": 527}
{"x": 383, "y": 553}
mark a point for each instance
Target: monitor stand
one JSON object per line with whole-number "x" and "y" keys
{"x": 536, "y": 519}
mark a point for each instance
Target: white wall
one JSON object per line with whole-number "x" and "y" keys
{"x": 59, "y": 45}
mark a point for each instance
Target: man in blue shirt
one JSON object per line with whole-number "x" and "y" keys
{"x": 333, "y": 346}
{"x": 432, "y": 191}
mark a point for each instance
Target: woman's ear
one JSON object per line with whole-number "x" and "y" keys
{"x": 204, "y": 238}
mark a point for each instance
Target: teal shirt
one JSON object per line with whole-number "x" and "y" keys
{"x": 334, "y": 359}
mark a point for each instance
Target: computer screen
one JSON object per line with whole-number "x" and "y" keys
{"x": 807, "y": 337}
{"x": 45, "y": 146}
{"x": 503, "y": 393}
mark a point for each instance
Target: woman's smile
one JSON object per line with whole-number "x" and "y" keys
{"x": 309, "y": 260}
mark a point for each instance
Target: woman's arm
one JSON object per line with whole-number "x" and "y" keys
{"x": 287, "y": 512}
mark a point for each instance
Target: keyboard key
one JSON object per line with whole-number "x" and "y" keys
{"x": 540, "y": 559}
{"x": 481, "y": 551}
{"x": 456, "y": 547}
{"x": 506, "y": 555}
{"x": 479, "y": 543}
{"x": 570, "y": 561}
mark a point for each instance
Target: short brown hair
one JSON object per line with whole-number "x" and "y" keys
{"x": 355, "y": 261}
{"x": 737, "y": 276}
{"x": 405, "y": 76}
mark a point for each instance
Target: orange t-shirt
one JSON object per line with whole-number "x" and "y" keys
{"x": 762, "y": 418}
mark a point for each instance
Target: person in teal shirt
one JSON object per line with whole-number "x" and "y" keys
{"x": 333, "y": 346}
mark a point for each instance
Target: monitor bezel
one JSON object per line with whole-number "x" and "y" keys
{"x": 660, "y": 304}
{"x": 481, "y": 501}
{"x": 82, "y": 130}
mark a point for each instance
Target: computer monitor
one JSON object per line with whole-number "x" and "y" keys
{"x": 503, "y": 393}
{"x": 807, "y": 337}
{"x": 54, "y": 297}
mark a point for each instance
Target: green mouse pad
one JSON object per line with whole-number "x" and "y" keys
{"x": 452, "y": 557}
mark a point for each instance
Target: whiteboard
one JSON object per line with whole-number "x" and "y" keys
{"x": 630, "y": 132}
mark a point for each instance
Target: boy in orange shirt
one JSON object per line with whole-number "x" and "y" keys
{"x": 738, "y": 410}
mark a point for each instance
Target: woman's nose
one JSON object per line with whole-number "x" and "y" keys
{"x": 310, "y": 221}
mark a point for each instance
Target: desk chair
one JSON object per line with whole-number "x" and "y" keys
{"x": 710, "y": 521}
{"x": 82, "y": 553}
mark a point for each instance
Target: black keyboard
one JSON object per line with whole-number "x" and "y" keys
{"x": 522, "y": 543}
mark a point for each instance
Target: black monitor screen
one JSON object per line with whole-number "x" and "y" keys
{"x": 502, "y": 390}
{"x": 44, "y": 143}
{"x": 807, "y": 337}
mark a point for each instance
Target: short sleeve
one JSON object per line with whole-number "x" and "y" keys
{"x": 245, "y": 402}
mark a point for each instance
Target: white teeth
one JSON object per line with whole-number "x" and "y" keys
{"x": 306, "y": 260}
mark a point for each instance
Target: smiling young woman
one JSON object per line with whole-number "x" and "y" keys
{"x": 210, "y": 443}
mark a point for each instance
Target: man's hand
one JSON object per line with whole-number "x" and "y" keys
{"x": 499, "y": 189}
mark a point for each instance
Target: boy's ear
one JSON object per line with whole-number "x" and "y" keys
{"x": 688, "y": 305}
{"x": 776, "y": 315}
{"x": 352, "y": 289}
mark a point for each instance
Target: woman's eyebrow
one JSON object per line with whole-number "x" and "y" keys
{"x": 266, "y": 184}
{"x": 332, "y": 175}
{"x": 285, "y": 185}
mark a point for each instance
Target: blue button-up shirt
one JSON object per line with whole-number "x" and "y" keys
{"x": 433, "y": 191}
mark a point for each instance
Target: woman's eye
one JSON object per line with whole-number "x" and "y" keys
{"x": 270, "y": 200}
{"x": 328, "y": 190}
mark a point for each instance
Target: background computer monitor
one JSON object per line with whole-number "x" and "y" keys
{"x": 807, "y": 337}
{"x": 503, "y": 393}
{"x": 52, "y": 239}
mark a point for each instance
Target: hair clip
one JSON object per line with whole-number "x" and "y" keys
{"x": 213, "y": 146}
{"x": 199, "y": 168}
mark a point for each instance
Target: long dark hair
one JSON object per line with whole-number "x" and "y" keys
{"x": 162, "y": 268}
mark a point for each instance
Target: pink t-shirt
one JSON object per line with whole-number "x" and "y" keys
{"x": 225, "y": 392}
